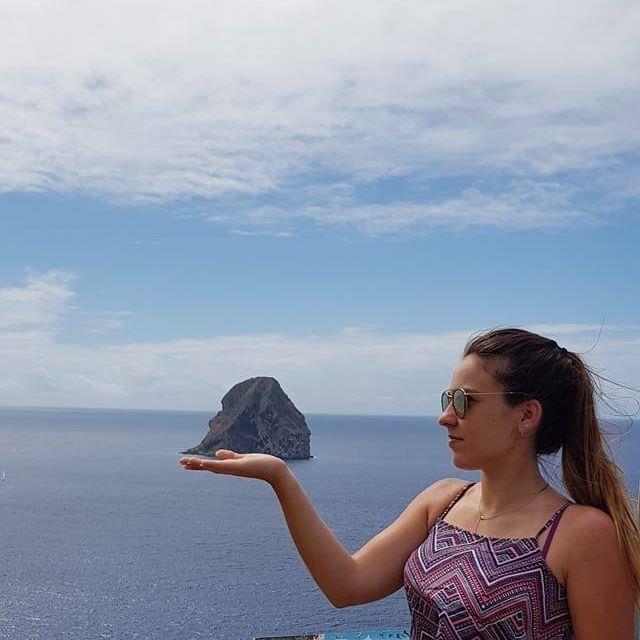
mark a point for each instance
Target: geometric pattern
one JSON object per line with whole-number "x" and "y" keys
{"x": 466, "y": 586}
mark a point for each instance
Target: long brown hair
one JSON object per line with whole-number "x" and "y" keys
{"x": 566, "y": 388}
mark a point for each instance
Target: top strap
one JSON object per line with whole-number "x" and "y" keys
{"x": 553, "y": 522}
{"x": 553, "y": 518}
{"x": 457, "y": 497}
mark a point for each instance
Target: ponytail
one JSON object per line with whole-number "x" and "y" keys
{"x": 593, "y": 478}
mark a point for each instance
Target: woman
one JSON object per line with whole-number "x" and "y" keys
{"x": 507, "y": 556}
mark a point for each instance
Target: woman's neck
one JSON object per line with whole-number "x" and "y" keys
{"x": 508, "y": 488}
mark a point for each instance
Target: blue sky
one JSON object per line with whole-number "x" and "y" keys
{"x": 250, "y": 192}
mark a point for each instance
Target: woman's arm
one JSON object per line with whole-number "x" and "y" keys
{"x": 374, "y": 571}
{"x": 599, "y": 584}
{"x": 328, "y": 562}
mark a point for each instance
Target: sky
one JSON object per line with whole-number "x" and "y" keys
{"x": 334, "y": 194}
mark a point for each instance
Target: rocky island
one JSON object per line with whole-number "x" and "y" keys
{"x": 257, "y": 417}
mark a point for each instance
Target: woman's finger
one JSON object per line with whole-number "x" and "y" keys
{"x": 196, "y": 464}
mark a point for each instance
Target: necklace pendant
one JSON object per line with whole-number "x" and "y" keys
{"x": 483, "y": 518}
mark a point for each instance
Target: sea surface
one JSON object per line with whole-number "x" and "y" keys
{"x": 103, "y": 535}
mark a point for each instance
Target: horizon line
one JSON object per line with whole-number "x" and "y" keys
{"x": 310, "y": 413}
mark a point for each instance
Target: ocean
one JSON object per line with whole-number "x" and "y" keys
{"x": 104, "y": 536}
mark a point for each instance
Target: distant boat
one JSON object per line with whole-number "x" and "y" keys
{"x": 3, "y": 476}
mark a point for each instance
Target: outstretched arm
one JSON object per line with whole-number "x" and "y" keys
{"x": 375, "y": 570}
{"x": 330, "y": 564}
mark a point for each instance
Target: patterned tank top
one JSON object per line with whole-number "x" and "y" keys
{"x": 465, "y": 586}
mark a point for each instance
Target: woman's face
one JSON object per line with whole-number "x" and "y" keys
{"x": 489, "y": 430}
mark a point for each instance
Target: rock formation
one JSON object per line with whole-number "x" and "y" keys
{"x": 257, "y": 417}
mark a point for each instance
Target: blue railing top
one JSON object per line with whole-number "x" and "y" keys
{"x": 394, "y": 634}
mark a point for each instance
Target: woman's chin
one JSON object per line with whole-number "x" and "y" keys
{"x": 459, "y": 462}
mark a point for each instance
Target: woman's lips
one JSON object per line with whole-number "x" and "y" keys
{"x": 454, "y": 438}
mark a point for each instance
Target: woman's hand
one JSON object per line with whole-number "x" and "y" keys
{"x": 248, "y": 465}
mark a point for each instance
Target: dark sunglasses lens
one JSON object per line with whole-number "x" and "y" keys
{"x": 444, "y": 400}
{"x": 459, "y": 401}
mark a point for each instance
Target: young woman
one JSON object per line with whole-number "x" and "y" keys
{"x": 507, "y": 556}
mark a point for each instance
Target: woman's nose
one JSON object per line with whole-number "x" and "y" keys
{"x": 448, "y": 416}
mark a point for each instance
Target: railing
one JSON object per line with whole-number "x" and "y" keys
{"x": 395, "y": 634}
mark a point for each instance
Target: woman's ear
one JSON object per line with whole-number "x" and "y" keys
{"x": 531, "y": 416}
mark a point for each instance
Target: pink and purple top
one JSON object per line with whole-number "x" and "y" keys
{"x": 465, "y": 586}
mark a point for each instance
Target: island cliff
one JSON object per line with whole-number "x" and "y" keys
{"x": 257, "y": 417}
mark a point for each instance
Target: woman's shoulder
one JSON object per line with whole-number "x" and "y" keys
{"x": 579, "y": 519}
{"x": 593, "y": 549}
{"x": 576, "y": 515}
{"x": 583, "y": 529}
{"x": 440, "y": 494}
{"x": 448, "y": 487}
{"x": 445, "y": 485}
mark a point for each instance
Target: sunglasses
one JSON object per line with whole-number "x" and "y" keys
{"x": 460, "y": 401}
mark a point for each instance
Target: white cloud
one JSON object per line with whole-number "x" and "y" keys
{"x": 106, "y": 322}
{"x": 43, "y": 306}
{"x": 356, "y": 370}
{"x": 519, "y": 205}
{"x": 39, "y": 303}
{"x": 135, "y": 100}
{"x": 277, "y": 234}
{"x": 525, "y": 206}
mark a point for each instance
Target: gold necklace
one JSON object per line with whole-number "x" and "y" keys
{"x": 482, "y": 516}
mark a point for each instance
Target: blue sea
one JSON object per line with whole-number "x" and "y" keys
{"x": 103, "y": 535}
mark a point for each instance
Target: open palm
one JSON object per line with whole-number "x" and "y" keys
{"x": 248, "y": 465}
